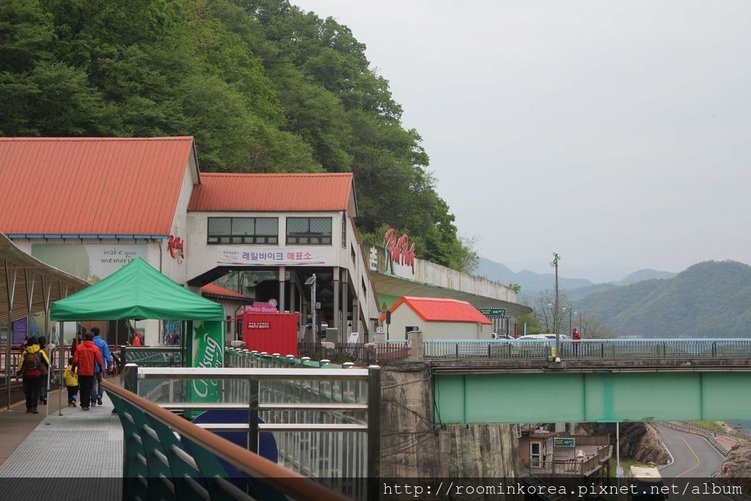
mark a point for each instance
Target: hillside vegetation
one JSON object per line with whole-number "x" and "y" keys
{"x": 262, "y": 85}
{"x": 709, "y": 299}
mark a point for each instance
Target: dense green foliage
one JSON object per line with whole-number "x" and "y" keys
{"x": 260, "y": 84}
{"x": 709, "y": 299}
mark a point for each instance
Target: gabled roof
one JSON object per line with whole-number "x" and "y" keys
{"x": 274, "y": 192}
{"x": 137, "y": 290}
{"x": 432, "y": 309}
{"x": 91, "y": 186}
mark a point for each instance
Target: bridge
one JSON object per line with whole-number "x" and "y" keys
{"x": 513, "y": 381}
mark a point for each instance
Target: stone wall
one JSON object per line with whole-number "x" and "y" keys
{"x": 411, "y": 446}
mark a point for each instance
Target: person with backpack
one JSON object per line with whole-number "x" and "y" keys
{"x": 45, "y": 371}
{"x": 32, "y": 364}
{"x": 87, "y": 357}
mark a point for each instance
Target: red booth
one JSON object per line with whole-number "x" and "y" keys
{"x": 270, "y": 332}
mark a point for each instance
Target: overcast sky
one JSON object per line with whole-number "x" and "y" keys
{"x": 617, "y": 133}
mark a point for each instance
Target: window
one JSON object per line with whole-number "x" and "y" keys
{"x": 309, "y": 230}
{"x": 344, "y": 230}
{"x": 535, "y": 455}
{"x": 243, "y": 230}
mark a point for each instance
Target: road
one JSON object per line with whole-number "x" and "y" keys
{"x": 694, "y": 461}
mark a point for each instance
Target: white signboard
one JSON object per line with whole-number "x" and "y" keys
{"x": 268, "y": 257}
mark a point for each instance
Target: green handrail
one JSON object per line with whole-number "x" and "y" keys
{"x": 158, "y": 465}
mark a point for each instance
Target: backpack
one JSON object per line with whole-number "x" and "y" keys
{"x": 32, "y": 365}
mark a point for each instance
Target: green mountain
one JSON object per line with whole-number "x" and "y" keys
{"x": 709, "y": 299}
{"x": 262, "y": 85}
{"x": 531, "y": 282}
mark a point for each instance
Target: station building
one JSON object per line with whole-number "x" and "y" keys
{"x": 90, "y": 205}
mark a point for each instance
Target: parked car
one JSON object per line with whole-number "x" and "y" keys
{"x": 495, "y": 335}
{"x": 535, "y": 345}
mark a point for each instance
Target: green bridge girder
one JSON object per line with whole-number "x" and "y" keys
{"x": 595, "y": 397}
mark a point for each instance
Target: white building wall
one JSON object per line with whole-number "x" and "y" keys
{"x": 204, "y": 257}
{"x": 404, "y": 317}
{"x": 176, "y": 267}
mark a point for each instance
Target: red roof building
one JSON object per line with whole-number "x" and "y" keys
{"x": 437, "y": 318}
{"x": 319, "y": 192}
{"x": 92, "y": 187}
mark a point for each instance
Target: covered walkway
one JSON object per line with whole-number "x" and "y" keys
{"x": 27, "y": 286}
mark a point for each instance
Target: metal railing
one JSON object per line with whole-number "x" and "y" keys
{"x": 325, "y": 421}
{"x": 721, "y": 448}
{"x": 167, "y": 457}
{"x": 612, "y": 349}
{"x": 151, "y": 356}
{"x": 365, "y": 353}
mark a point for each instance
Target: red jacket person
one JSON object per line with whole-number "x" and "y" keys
{"x": 86, "y": 358}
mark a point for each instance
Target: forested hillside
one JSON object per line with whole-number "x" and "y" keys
{"x": 262, "y": 85}
{"x": 709, "y": 299}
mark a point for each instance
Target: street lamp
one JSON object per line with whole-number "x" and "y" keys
{"x": 554, "y": 264}
{"x": 312, "y": 282}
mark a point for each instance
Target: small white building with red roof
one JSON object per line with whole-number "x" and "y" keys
{"x": 437, "y": 318}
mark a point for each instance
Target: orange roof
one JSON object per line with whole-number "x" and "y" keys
{"x": 91, "y": 186}
{"x": 218, "y": 290}
{"x": 432, "y": 309}
{"x": 272, "y": 192}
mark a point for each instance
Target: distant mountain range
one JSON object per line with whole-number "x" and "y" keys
{"x": 709, "y": 299}
{"x": 533, "y": 283}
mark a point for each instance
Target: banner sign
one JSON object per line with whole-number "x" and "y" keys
{"x": 268, "y": 258}
{"x": 207, "y": 350}
{"x": 261, "y": 307}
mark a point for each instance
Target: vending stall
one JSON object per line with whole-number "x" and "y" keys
{"x": 272, "y": 332}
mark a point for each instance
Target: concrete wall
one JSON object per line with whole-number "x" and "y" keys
{"x": 411, "y": 446}
{"x": 426, "y": 272}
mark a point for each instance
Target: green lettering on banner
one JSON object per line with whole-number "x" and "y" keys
{"x": 206, "y": 351}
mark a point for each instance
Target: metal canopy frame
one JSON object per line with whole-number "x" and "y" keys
{"x": 28, "y": 286}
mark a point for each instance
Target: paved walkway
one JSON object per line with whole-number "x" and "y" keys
{"x": 78, "y": 455}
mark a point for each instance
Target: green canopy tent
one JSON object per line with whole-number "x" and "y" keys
{"x": 139, "y": 291}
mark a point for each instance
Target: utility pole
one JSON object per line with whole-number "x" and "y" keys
{"x": 556, "y": 327}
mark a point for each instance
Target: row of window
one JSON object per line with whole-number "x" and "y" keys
{"x": 265, "y": 230}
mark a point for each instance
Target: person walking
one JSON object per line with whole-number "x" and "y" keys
{"x": 71, "y": 382}
{"x": 137, "y": 341}
{"x": 44, "y": 387}
{"x": 31, "y": 365}
{"x": 86, "y": 359}
{"x": 104, "y": 349}
{"x": 577, "y": 340}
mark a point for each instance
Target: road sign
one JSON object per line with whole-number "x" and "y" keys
{"x": 494, "y": 312}
{"x": 564, "y": 442}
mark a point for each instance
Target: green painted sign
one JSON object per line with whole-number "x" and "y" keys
{"x": 493, "y": 312}
{"x": 207, "y": 351}
{"x": 564, "y": 442}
